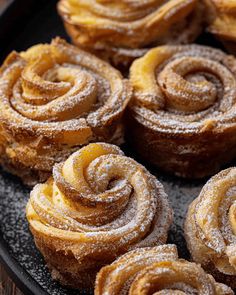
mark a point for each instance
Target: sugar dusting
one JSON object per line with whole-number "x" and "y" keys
{"x": 128, "y": 21}
{"x": 156, "y": 269}
{"x": 212, "y": 216}
{"x": 86, "y": 80}
{"x": 178, "y": 78}
{"x": 59, "y": 99}
{"x": 129, "y": 218}
{"x": 14, "y": 195}
{"x": 15, "y": 229}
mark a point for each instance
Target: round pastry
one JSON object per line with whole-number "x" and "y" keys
{"x": 53, "y": 99}
{"x": 117, "y": 30}
{"x": 156, "y": 271}
{"x": 98, "y": 205}
{"x": 210, "y": 227}
{"x": 223, "y": 22}
{"x": 184, "y": 105}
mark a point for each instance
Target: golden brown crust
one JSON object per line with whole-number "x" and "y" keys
{"x": 184, "y": 107}
{"x": 210, "y": 227}
{"x": 158, "y": 271}
{"x": 54, "y": 98}
{"x": 117, "y": 30}
{"x": 223, "y": 22}
{"x": 98, "y": 205}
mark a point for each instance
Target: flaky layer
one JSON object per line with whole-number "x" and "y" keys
{"x": 222, "y": 22}
{"x": 98, "y": 205}
{"x": 223, "y": 19}
{"x": 54, "y": 98}
{"x": 156, "y": 271}
{"x": 210, "y": 227}
{"x": 184, "y": 104}
{"x": 117, "y": 30}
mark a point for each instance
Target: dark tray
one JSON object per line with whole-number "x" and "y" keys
{"x": 25, "y": 23}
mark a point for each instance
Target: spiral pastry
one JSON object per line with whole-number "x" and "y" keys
{"x": 210, "y": 227}
{"x": 223, "y": 22}
{"x": 98, "y": 205}
{"x": 184, "y": 105}
{"x": 54, "y": 98}
{"x": 156, "y": 271}
{"x": 117, "y": 30}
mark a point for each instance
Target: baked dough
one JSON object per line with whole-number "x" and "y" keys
{"x": 210, "y": 227}
{"x": 98, "y": 205}
{"x": 121, "y": 31}
{"x": 184, "y": 106}
{"x": 156, "y": 271}
{"x": 53, "y": 99}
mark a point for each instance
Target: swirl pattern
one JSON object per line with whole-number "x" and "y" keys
{"x": 117, "y": 29}
{"x": 184, "y": 98}
{"x": 223, "y": 22}
{"x": 156, "y": 271}
{"x": 55, "y": 98}
{"x": 211, "y": 227}
{"x": 98, "y": 205}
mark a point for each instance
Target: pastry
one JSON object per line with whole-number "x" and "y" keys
{"x": 98, "y": 205}
{"x": 223, "y": 22}
{"x": 184, "y": 105}
{"x": 117, "y": 30}
{"x": 53, "y": 99}
{"x": 158, "y": 271}
{"x": 210, "y": 227}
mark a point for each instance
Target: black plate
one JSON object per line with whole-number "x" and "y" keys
{"x": 25, "y": 23}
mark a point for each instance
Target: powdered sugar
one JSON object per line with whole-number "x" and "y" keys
{"x": 156, "y": 270}
{"x": 15, "y": 228}
{"x": 147, "y": 207}
{"x": 116, "y": 31}
{"x": 217, "y": 71}
{"x": 210, "y": 227}
{"x": 56, "y": 98}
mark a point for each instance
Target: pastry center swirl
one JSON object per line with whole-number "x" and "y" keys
{"x": 194, "y": 84}
{"x": 100, "y": 183}
{"x": 192, "y": 87}
{"x": 99, "y": 193}
{"x": 188, "y": 84}
{"x": 62, "y": 94}
{"x": 53, "y": 92}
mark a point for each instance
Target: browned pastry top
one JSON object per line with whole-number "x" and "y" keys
{"x": 54, "y": 97}
{"x": 223, "y": 18}
{"x": 54, "y": 88}
{"x": 99, "y": 203}
{"x": 185, "y": 90}
{"x": 211, "y": 225}
{"x": 156, "y": 271}
{"x": 126, "y": 23}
